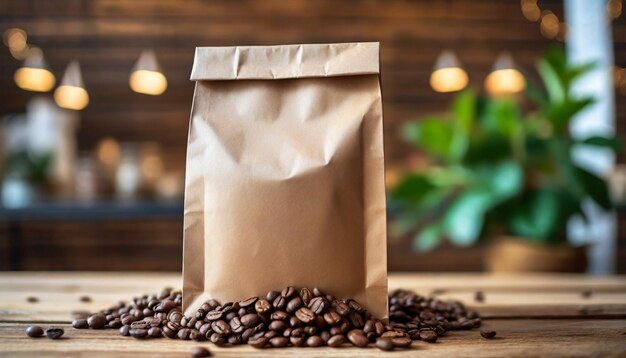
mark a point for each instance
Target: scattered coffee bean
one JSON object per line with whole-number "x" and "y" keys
{"x": 586, "y": 294}
{"x": 384, "y": 344}
{"x": 97, "y": 321}
{"x": 479, "y": 296}
{"x": 54, "y": 333}
{"x": 32, "y": 299}
{"x": 80, "y": 324}
{"x": 85, "y": 299}
{"x": 34, "y": 331}
{"x": 488, "y": 334}
{"x": 428, "y": 336}
{"x": 198, "y": 352}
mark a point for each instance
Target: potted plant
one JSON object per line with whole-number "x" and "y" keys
{"x": 497, "y": 172}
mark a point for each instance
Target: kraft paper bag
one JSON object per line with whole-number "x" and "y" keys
{"x": 285, "y": 174}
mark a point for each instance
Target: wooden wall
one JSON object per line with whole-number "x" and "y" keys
{"x": 106, "y": 36}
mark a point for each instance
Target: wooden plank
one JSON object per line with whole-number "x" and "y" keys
{"x": 505, "y": 296}
{"x": 516, "y": 338}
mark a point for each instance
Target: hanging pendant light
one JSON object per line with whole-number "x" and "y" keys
{"x": 448, "y": 75}
{"x": 504, "y": 78}
{"x": 146, "y": 76}
{"x": 34, "y": 75}
{"x": 71, "y": 94}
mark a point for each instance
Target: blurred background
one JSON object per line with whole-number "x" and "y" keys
{"x": 502, "y": 126}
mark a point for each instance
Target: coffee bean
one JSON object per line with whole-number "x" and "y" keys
{"x": 318, "y": 305}
{"x": 357, "y": 337}
{"x": 479, "y": 296}
{"x": 401, "y": 342}
{"x": 138, "y": 332}
{"x": 128, "y": 320}
{"x": 306, "y": 296}
{"x": 356, "y": 319}
{"x": 586, "y": 294}
{"x": 214, "y": 315}
{"x": 294, "y": 304}
{"x": 280, "y": 303}
{"x": 332, "y": 318}
{"x": 221, "y": 327}
{"x": 54, "y": 333}
{"x": 165, "y": 306}
{"x": 488, "y": 334}
{"x": 34, "y": 331}
{"x": 80, "y": 324}
{"x": 279, "y": 342}
{"x": 183, "y": 334}
{"x": 199, "y": 352}
{"x": 305, "y": 315}
{"x": 317, "y": 292}
{"x": 248, "y": 302}
{"x": 277, "y": 325}
{"x": 297, "y": 341}
{"x": 154, "y": 332}
{"x": 260, "y": 342}
{"x": 428, "y": 336}
{"x": 97, "y": 321}
{"x": 124, "y": 331}
{"x": 32, "y": 299}
{"x": 336, "y": 340}
{"x": 314, "y": 341}
{"x": 288, "y": 292}
{"x": 85, "y": 299}
{"x": 342, "y": 308}
{"x": 250, "y": 320}
{"x": 116, "y": 323}
{"x": 262, "y": 307}
{"x": 279, "y": 315}
{"x": 384, "y": 344}
{"x": 271, "y": 296}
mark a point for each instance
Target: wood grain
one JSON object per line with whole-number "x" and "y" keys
{"x": 512, "y": 296}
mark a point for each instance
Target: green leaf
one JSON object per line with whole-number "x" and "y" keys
{"x": 537, "y": 216}
{"x": 505, "y": 180}
{"x": 613, "y": 143}
{"x": 502, "y": 117}
{"x": 536, "y": 93}
{"x": 464, "y": 220}
{"x": 464, "y": 109}
{"x": 551, "y": 81}
{"x": 412, "y": 188}
{"x": 562, "y": 113}
{"x": 427, "y": 239}
{"x": 594, "y": 187}
{"x": 431, "y": 134}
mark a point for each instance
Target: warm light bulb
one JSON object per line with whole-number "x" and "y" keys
{"x": 148, "y": 82}
{"x": 34, "y": 79}
{"x": 505, "y": 81}
{"x": 448, "y": 79}
{"x": 71, "y": 97}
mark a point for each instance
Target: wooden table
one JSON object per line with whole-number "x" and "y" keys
{"x": 534, "y": 315}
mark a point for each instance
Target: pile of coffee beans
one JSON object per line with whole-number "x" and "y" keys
{"x": 289, "y": 318}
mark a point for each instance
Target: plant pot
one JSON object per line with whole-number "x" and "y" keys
{"x": 509, "y": 254}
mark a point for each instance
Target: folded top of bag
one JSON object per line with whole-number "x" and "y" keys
{"x": 280, "y": 62}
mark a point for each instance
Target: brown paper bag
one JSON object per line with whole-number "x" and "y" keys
{"x": 285, "y": 174}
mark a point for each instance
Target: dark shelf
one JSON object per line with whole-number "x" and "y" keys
{"x": 98, "y": 210}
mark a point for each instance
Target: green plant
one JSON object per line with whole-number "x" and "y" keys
{"x": 495, "y": 169}
{"x": 31, "y": 167}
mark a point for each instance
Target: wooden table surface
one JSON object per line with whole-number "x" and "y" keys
{"x": 534, "y": 315}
